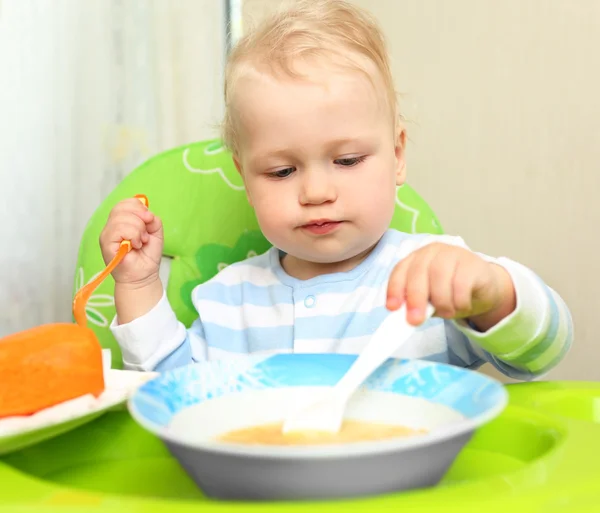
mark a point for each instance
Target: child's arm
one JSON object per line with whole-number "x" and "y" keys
{"x": 530, "y": 341}
{"x": 496, "y": 310}
{"x": 157, "y": 340}
{"x": 145, "y": 326}
{"x": 137, "y": 284}
{"x": 133, "y": 301}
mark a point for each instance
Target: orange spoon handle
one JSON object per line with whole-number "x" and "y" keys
{"x": 84, "y": 293}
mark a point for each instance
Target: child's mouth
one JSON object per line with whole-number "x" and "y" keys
{"x": 321, "y": 226}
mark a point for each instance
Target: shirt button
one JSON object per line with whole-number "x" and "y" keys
{"x": 310, "y": 301}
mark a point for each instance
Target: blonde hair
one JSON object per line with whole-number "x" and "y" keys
{"x": 307, "y": 29}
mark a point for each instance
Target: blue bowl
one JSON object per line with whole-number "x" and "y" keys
{"x": 190, "y": 406}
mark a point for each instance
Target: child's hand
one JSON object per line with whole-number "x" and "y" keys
{"x": 457, "y": 282}
{"x": 131, "y": 220}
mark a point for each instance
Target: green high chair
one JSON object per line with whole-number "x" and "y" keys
{"x": 542, "y": 454}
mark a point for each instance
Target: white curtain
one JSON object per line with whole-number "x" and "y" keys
{"x": 89, "y": 90}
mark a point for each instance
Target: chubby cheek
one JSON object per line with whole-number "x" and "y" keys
{"x": 271, "y": 211}
{"x": 375, "y": 197}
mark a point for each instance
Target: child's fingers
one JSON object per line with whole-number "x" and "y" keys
{"x": 129, "y": 205}
{"x": 462, "y": 289}
{"x": 130, "y": 232}
{"x": 151, "y": 221}
{"x": 417, "y": 288}
{"x": 132, "y": 206}
{"x": 396, "y": 292}
{"x": 441, "y": 281}
{"x": 145, "y": 215}
{"x": 126, "y": 227}
{"x": 153, "y": 225}
{"x": 127, "y": 218}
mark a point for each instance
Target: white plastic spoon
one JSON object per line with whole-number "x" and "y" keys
{"x": 326, "y": 414}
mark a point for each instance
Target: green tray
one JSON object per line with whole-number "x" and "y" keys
{"x": 541, "y": 455}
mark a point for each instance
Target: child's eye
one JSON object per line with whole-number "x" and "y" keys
{"x": 282, "y": 173}
{"x": 349, "y": 161}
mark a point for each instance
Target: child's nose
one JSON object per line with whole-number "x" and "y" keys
{"x": 317, "y": 188}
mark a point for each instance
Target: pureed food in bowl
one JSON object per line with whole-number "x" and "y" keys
{"x": 351, "y": 431}
{"x": 196, "y": 410}
{"x": 256, "y": 417}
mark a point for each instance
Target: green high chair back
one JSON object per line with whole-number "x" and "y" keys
{"x": 208, "y": 224}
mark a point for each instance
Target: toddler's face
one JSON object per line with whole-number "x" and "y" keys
{"x": 320, "y": 162}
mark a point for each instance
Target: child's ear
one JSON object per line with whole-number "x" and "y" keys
{"x": 240, "y": 170}
{"x": 400, "y": 150}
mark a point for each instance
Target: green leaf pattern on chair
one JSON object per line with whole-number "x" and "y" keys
{"x": 208, "y": 223}
{"x": 212, "y": 258}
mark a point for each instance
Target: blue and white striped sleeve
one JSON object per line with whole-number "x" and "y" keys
{"x": 528, "y": 343}
{"x": 534, "y": 338}
{"x": 158, "y": 341}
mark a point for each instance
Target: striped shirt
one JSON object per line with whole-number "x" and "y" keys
{"x": 254, "y": 306}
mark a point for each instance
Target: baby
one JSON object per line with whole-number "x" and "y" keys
{"x": 314, "y": 129}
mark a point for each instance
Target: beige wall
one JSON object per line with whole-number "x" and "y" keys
{"x": 503, "y": 101}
